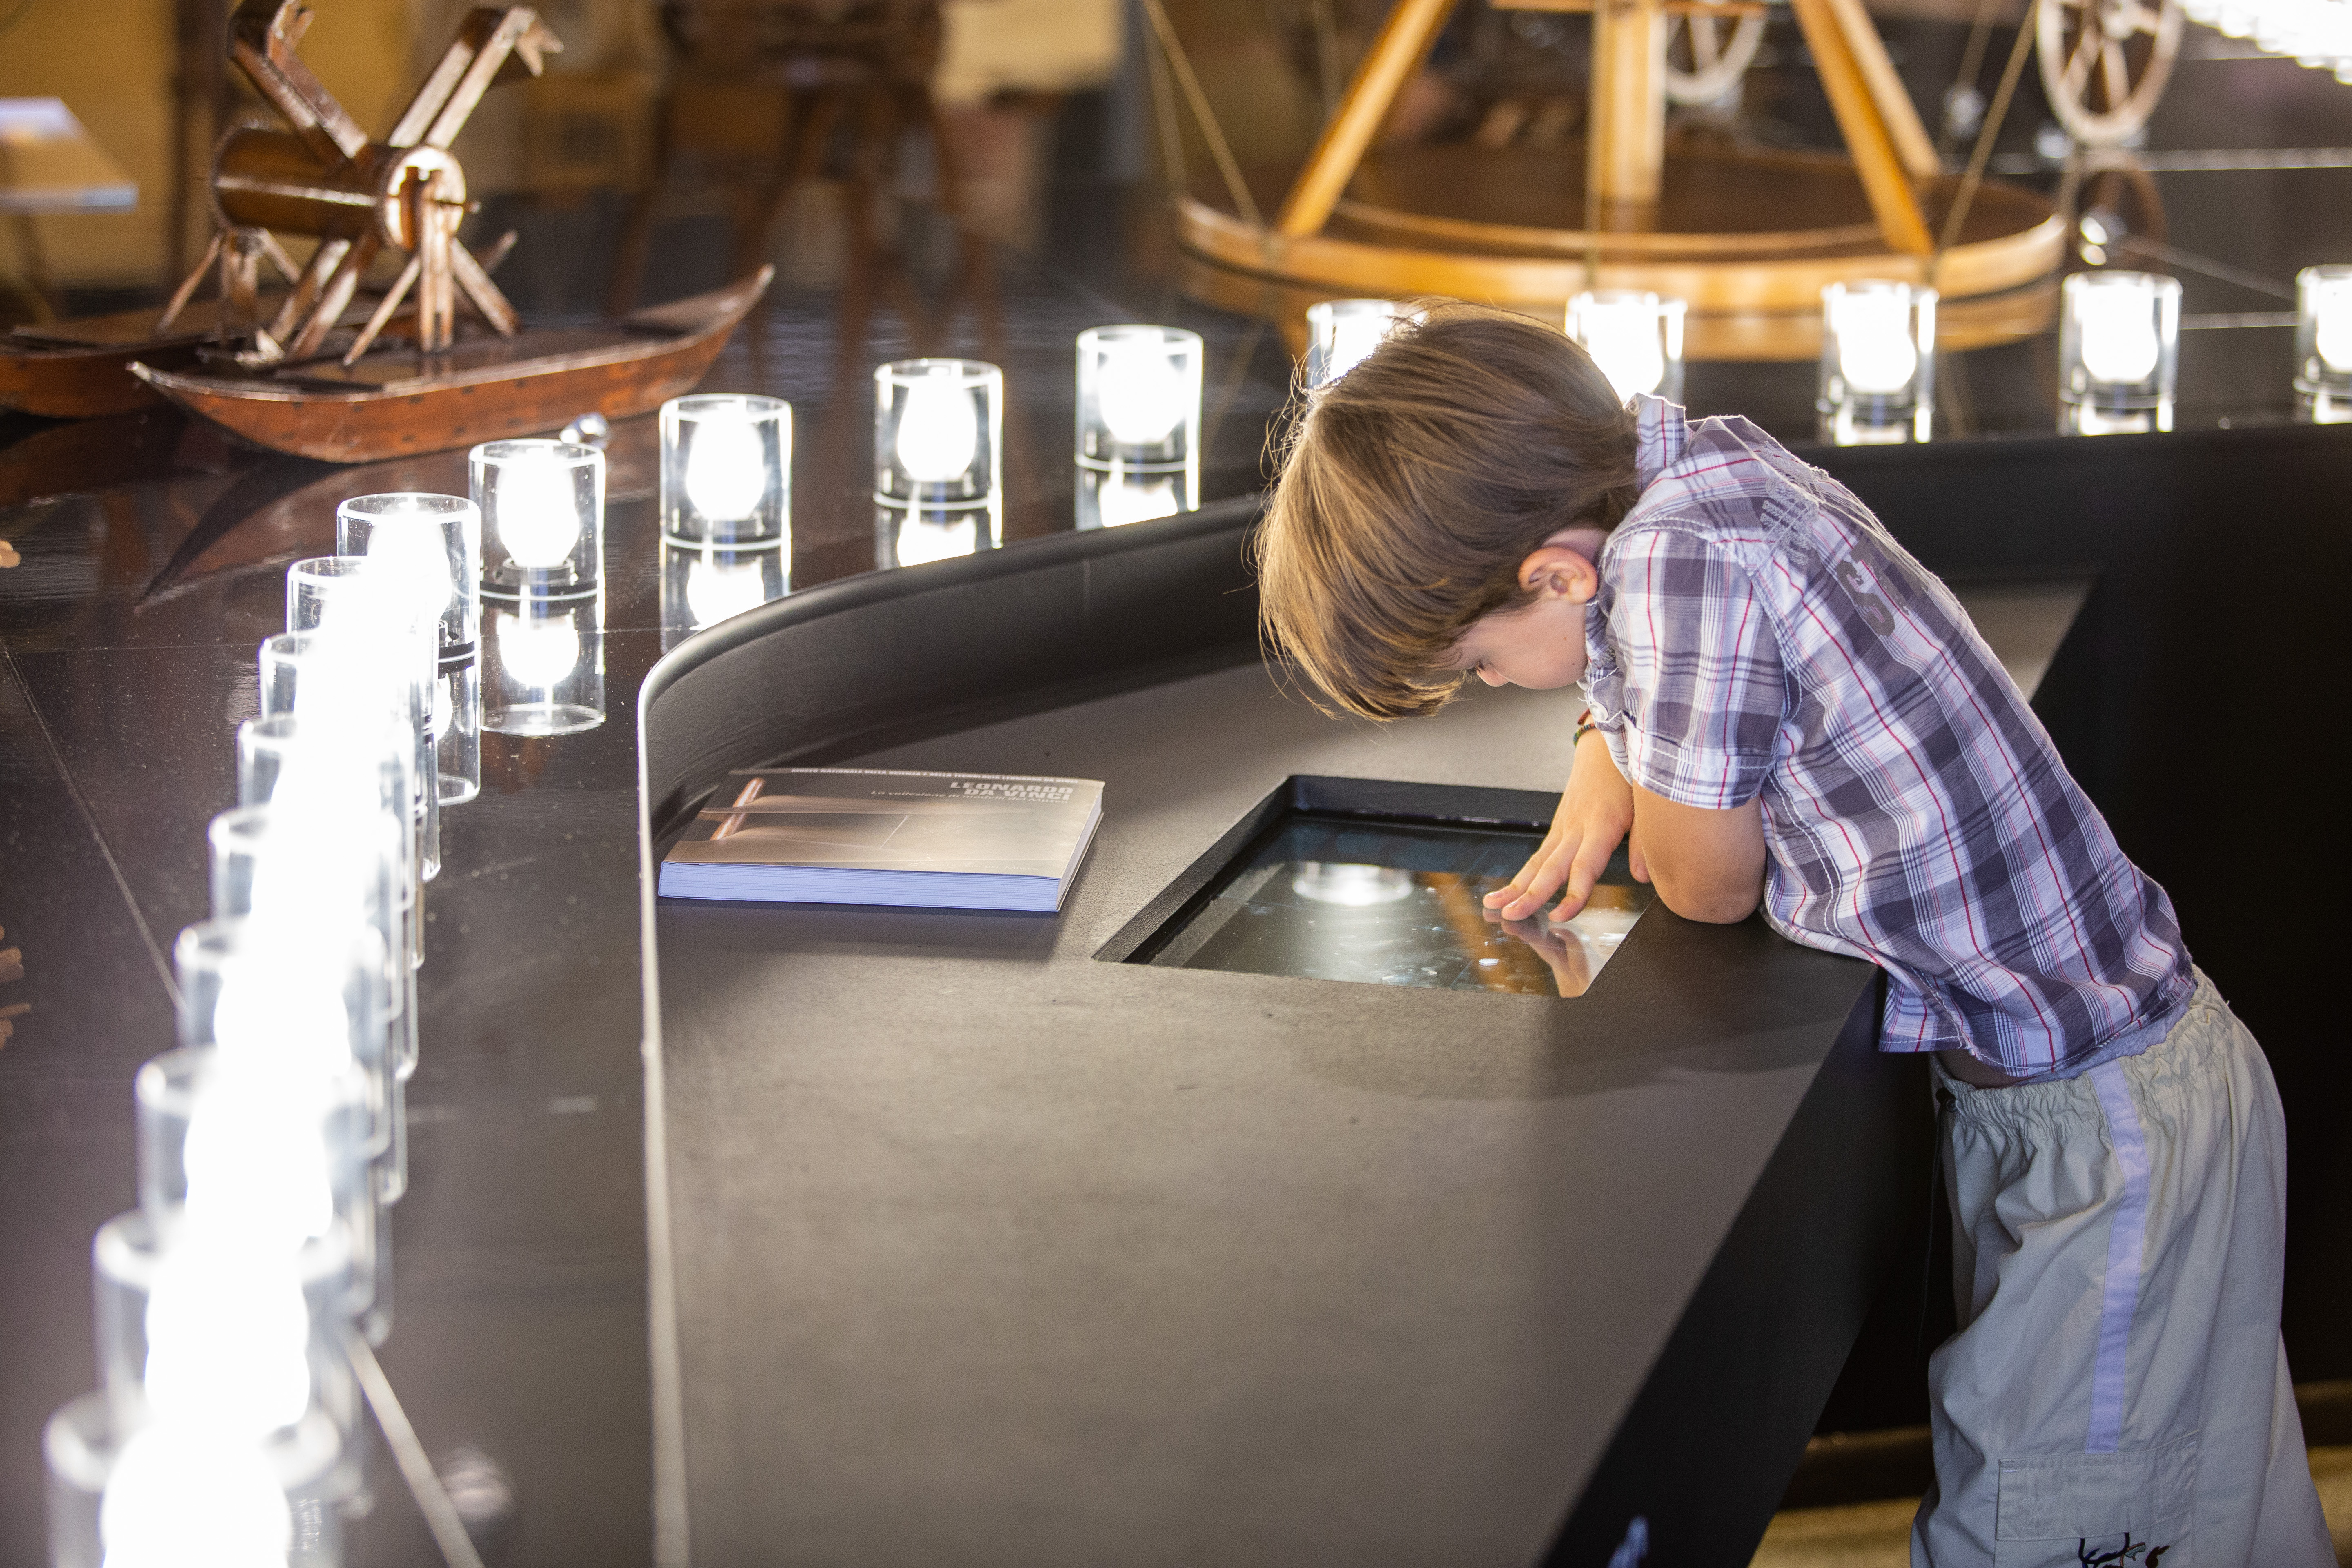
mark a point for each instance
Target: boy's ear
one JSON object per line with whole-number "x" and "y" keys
{"x": 1559, "y": 571}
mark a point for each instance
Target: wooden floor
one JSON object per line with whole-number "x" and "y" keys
{"x": 1878, "y": 1534}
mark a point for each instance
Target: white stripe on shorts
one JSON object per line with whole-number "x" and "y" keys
{"x": 2127, "y": 1234}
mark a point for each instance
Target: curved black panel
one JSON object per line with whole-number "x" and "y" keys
{"x": 893, "y": 656}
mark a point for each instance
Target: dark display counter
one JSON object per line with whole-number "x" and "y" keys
{"x": 986, "y": 1249}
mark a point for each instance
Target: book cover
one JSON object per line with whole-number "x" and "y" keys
{"x": 886, "y": 837}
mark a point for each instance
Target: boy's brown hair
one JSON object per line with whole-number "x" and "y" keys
{"x": 1413, "y": 486}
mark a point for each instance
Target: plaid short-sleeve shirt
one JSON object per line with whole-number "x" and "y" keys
{"x": 1759, "y": 632}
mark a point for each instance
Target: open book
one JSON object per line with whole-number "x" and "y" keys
{"x": 860, "y": 836}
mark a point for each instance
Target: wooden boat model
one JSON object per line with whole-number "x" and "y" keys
{"x": 395, "y": 402}
{"x": 81, "y": 369}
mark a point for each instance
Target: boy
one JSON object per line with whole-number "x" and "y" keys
{"x": 1784, "y": 709}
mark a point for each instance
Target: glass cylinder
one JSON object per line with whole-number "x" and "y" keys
{"x": 703, "y": 584}
{"x": 2323, "y": 332}
{"x": 345, "y": 692}
{"x": 542, "y": 506}
{"x": 726, "y": 470}
{"x": 545, "y": 665}
{"x": 939, "y": 437}
{"x": 1635, "y": 336}
{"x": 280, "y": 863}
{"x": 201, "y": 1128}
{"x": 1340, "y": 333}
{"x": 176, "y": 1487}
{"x": 323, "y": 775}
{"x": 301, "y": 999}
{"x": 226, "y": 1334}
{"x": 432, "y": 545}
{"x": 1138, "y": 424}
{"x": 2118, "y": 339}
{"x": 1878, "y": 355}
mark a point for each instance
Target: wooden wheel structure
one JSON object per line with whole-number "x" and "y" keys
{"x": 324, "y": 179}
{"x": 1747, "y": 237}
{"x": 2105, "y": 63}
{"x": 1707, "y": 54}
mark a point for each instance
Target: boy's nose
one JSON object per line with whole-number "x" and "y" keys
{"x": 1492, "y": 676}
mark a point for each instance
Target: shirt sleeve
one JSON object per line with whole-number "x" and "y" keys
{"x": 1698, "y": 675}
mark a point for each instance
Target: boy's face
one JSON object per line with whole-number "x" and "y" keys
{"x": 1538, "y": 646}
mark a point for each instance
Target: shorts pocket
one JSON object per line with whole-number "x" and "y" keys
{"x": 2128, "y": 1510}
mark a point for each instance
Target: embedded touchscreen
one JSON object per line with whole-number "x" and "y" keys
{"x": 1393, "y": 902}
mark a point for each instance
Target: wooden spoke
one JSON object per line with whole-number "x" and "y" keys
{"x": 323, "y": 262}
{"x": 385, "y": 308}
{"x": 262, "y": 37}
{"x": 474, "y": 281}
{"x": 187, "y": 289}
{"x": 335, "y": 298}
{"x": 2116, "y": 76}
{"x": 1718, "y": 57}
{"x": 1705, "y": 47}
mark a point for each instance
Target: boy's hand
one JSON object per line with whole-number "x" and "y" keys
{"x": 1595, "y": 810}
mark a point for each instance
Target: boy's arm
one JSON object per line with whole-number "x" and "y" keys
{"x": 1707, "y": 865}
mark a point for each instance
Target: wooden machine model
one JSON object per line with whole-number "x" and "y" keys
{"x": 1747, "y": 235}
{"x": 328, "y": 368}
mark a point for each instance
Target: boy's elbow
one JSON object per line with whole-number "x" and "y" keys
{"x": 1718, "y": 905}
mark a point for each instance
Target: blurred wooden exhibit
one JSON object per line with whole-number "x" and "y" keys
{"x": 759, "y": 91}
{"x": 1746, "y": 234}
{"x": 387, "y": 335}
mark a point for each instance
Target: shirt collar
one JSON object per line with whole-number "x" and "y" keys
{"x": 1661, "y": 433}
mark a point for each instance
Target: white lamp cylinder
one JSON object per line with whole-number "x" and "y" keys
{"x": 726, "y": 472}
{"x": 2323, "y": 332}
{"x": 1138, "y": 424}
{"x": 431, "y": 545}
{"x": 1878, "y": 360}
{"x": 2119, "y": 340}
{"x": 542, "y": 505}
{"x": 1635, "y": 336}
{"x": 1340, "y": 333}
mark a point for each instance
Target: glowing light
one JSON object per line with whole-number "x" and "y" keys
{"x": 1876, "y": 352}
{"x": 539, "y": 517}
{"x": 1350, "y": 886}
{"x": 286, "y": 1012}
{"x": 726, "y": 468}
{"x": 1139, "y": 392}
{"x": 413, "y": 560}
{"x": 1623, "y": 333}
{"x": 179, "y": 1496}
{"x": 256, "y": 1158}
{"x": 1352, "y": 343}
{"x": 939, "y": 428}
{"x": 2115, "y": 326}
{"x": 538, "y": 651}
{"x": 2331, "y": 313}
{"x": 227, "y": 1336}
{"x": 717, "y": 589}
